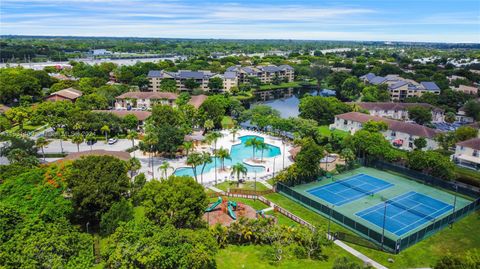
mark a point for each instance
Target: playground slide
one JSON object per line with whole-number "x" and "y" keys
{"x": 230, "y": 207}
{"x": 214, "y": 205}
{"x": 261, "y": 213}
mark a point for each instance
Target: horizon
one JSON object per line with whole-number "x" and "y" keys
{"x": 370, "y": 21}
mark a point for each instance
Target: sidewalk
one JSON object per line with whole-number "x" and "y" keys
{"x": 359, "y": 255}
{"x": 215, "y": 189}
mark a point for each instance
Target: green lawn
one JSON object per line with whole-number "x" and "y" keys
{"x": 424, "y": 254}
{"x": 325, "y": 131}
{"x": 468, "y": 176}
{"x": 227, "y": 122}
{"x": 248, "y": 185}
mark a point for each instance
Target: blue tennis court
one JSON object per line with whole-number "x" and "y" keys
{"x": 350, "y": 189}
{"x": 405, "y": 212}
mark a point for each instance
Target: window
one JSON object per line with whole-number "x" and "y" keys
{"x": 410, "y": 144}
{"x": 475, "y": 153}
{"x": 393, "y": 133}
{"x": 345, "y": 122}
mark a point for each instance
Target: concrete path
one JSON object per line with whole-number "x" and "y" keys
{"x": 359, "y": 255}
{"x": 266, "y": 184}
{"x": 268, "y": 209}
{"x": 215, "y": 189}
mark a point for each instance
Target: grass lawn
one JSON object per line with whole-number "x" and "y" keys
{"x": 227, "y": 122}
{"x": 424, "y": 254}
{"x": 248, "y": 185}
{"x": 251, "y": 256}
{"x": 325, "y": 131}
{"x": 468, "y": 176}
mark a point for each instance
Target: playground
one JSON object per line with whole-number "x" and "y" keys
{"x": 225, "y": 212}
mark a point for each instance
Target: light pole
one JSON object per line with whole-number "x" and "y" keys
{"x": 283, "y": 162}
{"x": 88, "y": 223}
{"x": 274, "y": 158}
{"x": 454, "y": 205}
{"x": 384, "y": 219}
{"x": 255, "y": 185}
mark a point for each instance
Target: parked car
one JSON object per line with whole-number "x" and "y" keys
{"x": 91, "y": 142}
{"x": 112, "y": 141}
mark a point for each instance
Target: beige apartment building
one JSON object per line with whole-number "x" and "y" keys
{"x": 266, "y": 74}
{"x": 467, "y": 154}
{"x": 399, "y": 111}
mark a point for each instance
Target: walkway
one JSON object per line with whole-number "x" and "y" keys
{"x": 215, "y": 189}
{"x": 359, "y": 255}
{"x": 266, "y": 184}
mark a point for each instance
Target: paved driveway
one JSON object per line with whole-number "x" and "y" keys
{"x": 68, "y": 146}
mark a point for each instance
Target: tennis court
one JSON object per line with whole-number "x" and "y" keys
{"x": 350, "y": 189}
{"x": 405, "y": 212}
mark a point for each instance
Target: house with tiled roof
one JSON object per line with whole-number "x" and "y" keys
{"x": 398, "y": 111}
{"x": 399, "y": 133}
{"x": 401, "y": 88}
{"x": 69, "y": 94}
{"x": 467, "y": 154}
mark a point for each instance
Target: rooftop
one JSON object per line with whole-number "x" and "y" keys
{"x": 69, "y": 93}
{"x": 148, "y": 95}
{"x": 473, "y": 143}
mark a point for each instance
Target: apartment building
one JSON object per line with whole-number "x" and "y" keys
{"x": 401, "y": 88}
{"x": 399, "y": 133}
{"x": 399, "y": 111}
{"x": 466, "y": 89}
{"x": 467, "y": 154}
{"x": 266, "y": 74}
{"x": 146, "y": 100}
{"x": 155, "y": 78}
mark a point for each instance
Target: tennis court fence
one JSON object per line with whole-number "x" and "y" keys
{"x": 384, "y": 242}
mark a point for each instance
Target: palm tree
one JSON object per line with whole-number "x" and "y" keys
{"x": 208, "y": 125}
{"x": 213, "y": 138}
{"x": 164, "y": 168}
{"x": 41, "y": 143}
{"x": 253, "y": 142}
{"x": 194, "y": 160}
{"x": 90, "y": 137}
{"x": 150, "y": 141}
{"x": 60, "y": 132}
{"x": 187, "y": 146}
{"x": 133, "y": 165}
{"x": 105, "y": 130}
{"x": 234, "y": 132}
{"x": 77, "y": 139}
{"x": 238, "y": 169}
{"x": 348, "y": 155}
{"x": 262, "y": 146}
{"x": 132, "y": 135}
{"x": 206, "y": 158}
{"x": 222, "y": 154}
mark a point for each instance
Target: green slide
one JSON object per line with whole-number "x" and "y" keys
{"x": 214, "y": 205}
{"x": 230, "y": 207}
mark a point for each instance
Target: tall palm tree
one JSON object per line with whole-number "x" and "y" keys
{"x": 213, "y": 138}
{"x": 41, "y": 143}
{"x": 262, "y": 146}
{"x": 90, "y": 137}
{"x": 77, "y": 139}
{"x": 132, "y": 135}
{"x": 187, "y": 146}
{"x": 238, "y": 169}
{"x": 253, "y": 142}
{"x": 208, "y": 125}
{"x": 133, "y": 165}
{"x": 164, "y": 168}
{"x": 60, "y": 132}
{"x": 194, "y": 160}
{"x": 105, "y": 130}
{"x": 222, "y": 154}
{"x": 234, "y": 132}
{"x": 206, "y": 158}
{"x": 150, "y": 141}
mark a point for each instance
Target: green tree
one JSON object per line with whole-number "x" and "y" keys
{"x": 132, "y": 135}
{"x": 345, "y": 263}
{"x": 351, "y": 89}
{"x": 431, "y": 162}
{"x": 90, "y": 137}
{"x": 121, "y": 211}
{"x": 450, "y": 117}
{"x": 130, "y": 122}
{"x": 215, "y": 84}
{"x": 77, "y": 139}
{"x": 60, "y": 133}
{"x": 168, "y": 85}
{"x": 206, "y": 159}
{"x": 214, "y": 108}
{"x": 95, "y": 183}
{"x": 222, "y": 154}
{"x": 187, "y": 146}
{"x": 472, "y": 109}
{"x": 308, "y": 159}
{"x": 41, "y": 143}
{"x": 465, "y": 132}
{"x": 165, "y": 202}
{"x": 237, "y": 170}
{"x": 194, "y": 160}
{"x": 191, "y": 84}
{"x": 208, "y": 125}
{"x": 164, "y": 169}
{"x": 133, "y": 165}
{"x": 349, "y": 156}
{"x": 234, "y": 131}
{"x": 105, "y": 130}
{"x": 322, "y": 109}
{"x": 262, "y": 147}
{"x": 420, "y": 114}
{"x": 420, "y": 143}
{"x": 254, "y": 143}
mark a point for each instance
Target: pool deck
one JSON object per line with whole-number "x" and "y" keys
{"x": 281, "y": 161}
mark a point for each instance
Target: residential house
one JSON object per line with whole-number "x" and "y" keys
{"x": 146, "y": 100}
{"x": 69, "y": 94}
{"x": 401, "y": 134}
{"x": 466, "y": 89}
{"x": 462, "y": 116}
{"x": 467, "y": 154}
{"x": 398, "y": 111}
{"x": 401, "y": 88}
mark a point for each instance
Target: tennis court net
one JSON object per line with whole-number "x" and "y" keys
{"x": 357, "y": 188}
{"x": 411, "y": 210}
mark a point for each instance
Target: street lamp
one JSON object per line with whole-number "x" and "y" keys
{"x": 384, "y": 220}
{"x": 88, "y": 223}
{"x": 274, "y": 166}
{"x": 283, "y": 162}
{"x": 329, "y": 218}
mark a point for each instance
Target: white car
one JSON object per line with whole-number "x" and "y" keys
{"x": 112, "y": 141}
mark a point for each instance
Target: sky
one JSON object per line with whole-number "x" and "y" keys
{"x": 368, "y": 20}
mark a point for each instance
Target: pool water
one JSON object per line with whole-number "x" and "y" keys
{"x": 238, "y": 153}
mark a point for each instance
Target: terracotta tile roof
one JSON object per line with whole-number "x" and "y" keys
{"x": 473, "y": 143}
{"x": 122, "y": 155}
{"x": 394, "y": 125}
{"x": 148, "y": 95}
{"x": 141, "y": 115}
{"x": 197, "y": 100}
{"x": 390, "y": 105}
{"x": 69, "y": 93}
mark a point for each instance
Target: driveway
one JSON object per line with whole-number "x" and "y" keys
{"x": 68, "y": 146}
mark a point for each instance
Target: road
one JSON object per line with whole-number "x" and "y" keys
{"x": 68, "y": 147}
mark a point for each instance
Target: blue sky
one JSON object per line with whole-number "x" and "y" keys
{"x": 390, "y": 20}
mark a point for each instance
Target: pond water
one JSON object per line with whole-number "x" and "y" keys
{"x": 286, "y": 101}
{"x": 238, "y": 153}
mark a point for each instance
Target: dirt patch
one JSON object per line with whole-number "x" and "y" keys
{"x": 220, "y": 214}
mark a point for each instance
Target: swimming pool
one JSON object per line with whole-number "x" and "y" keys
{"x": 238, "y": 153}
